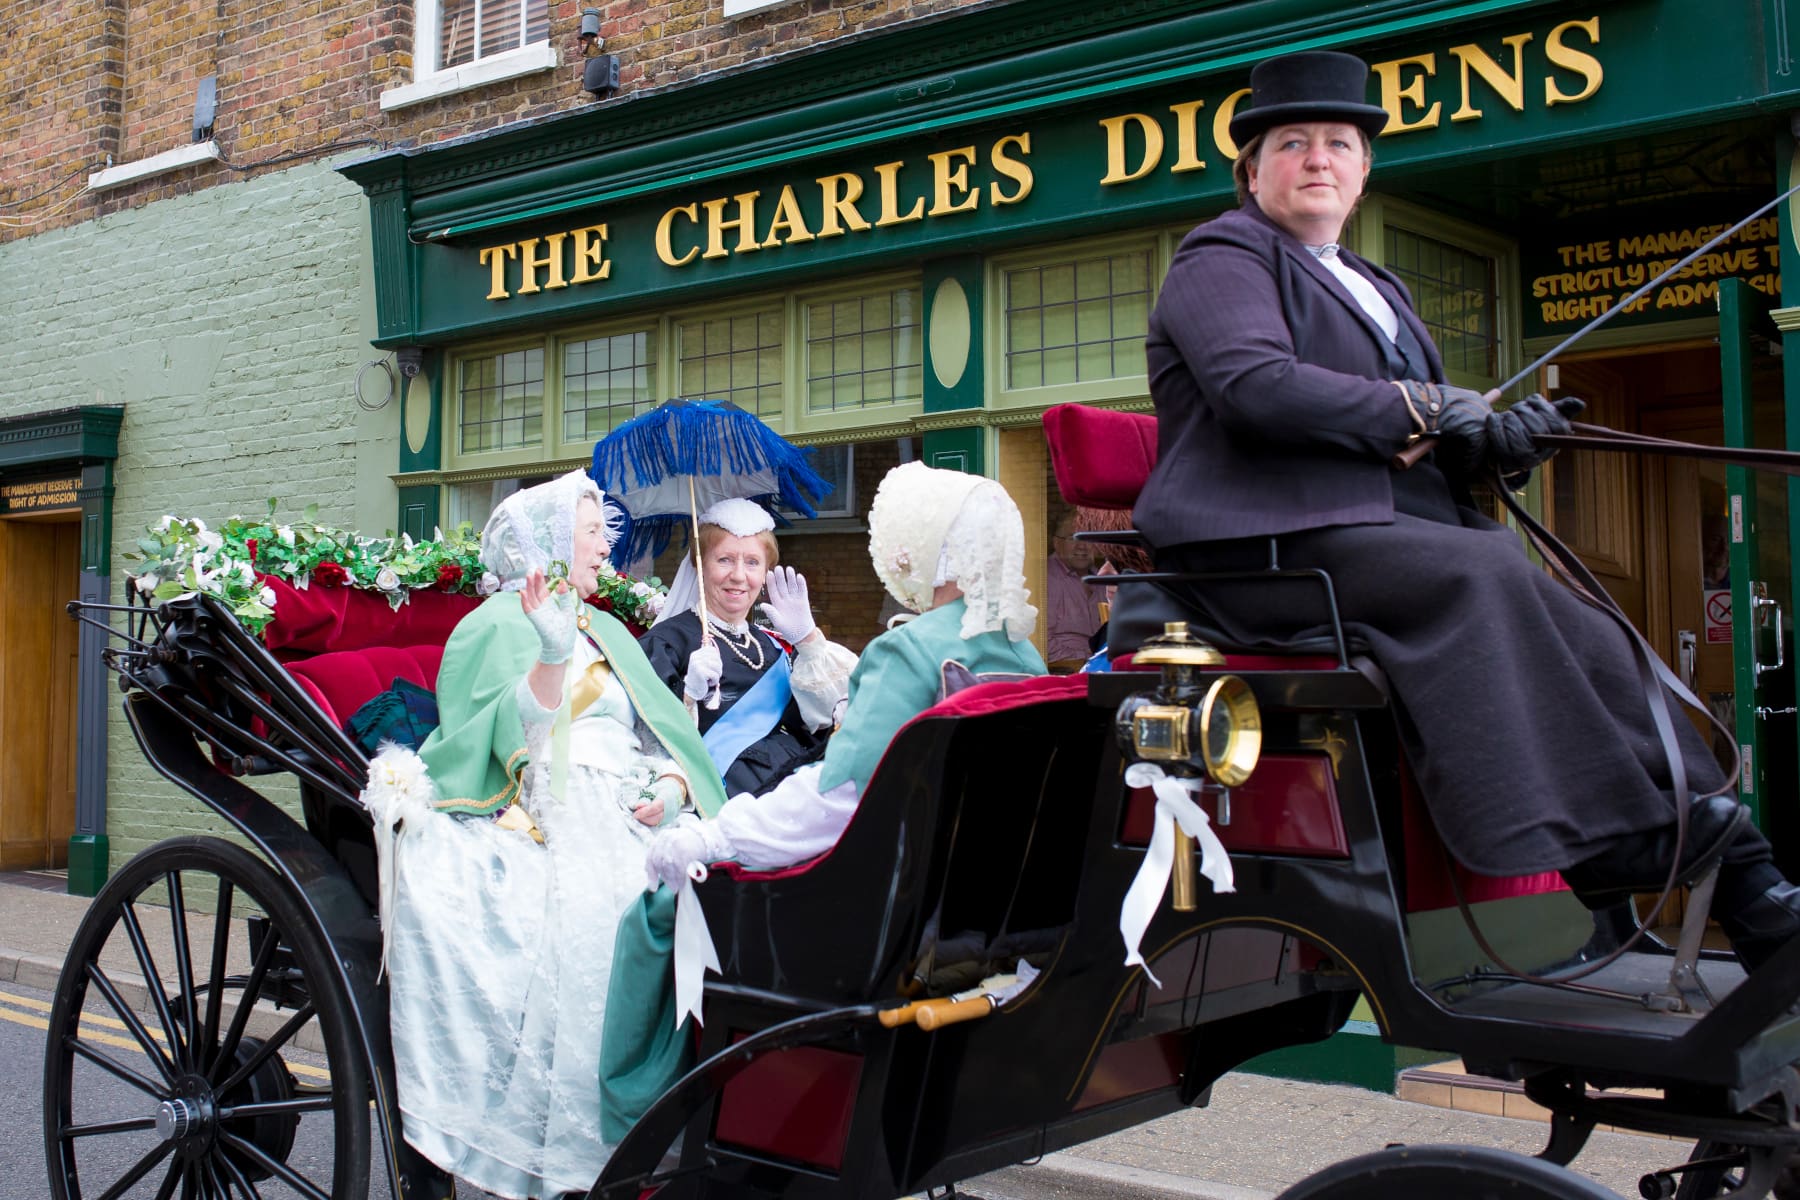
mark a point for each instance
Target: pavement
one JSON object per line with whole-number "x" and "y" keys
{"x": 1259, "y": 1136}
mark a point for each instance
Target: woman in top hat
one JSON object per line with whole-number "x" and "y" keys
{"x": 1287, "y": 372}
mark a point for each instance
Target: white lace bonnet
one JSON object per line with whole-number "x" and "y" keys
{"x": 739, "y": 518}
{"x": 536, "y": 526}
{"x": 928, "y": 527}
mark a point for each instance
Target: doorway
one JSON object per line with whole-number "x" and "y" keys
{"x": 1657, "y": 532}
{"x": 40, "y": 572}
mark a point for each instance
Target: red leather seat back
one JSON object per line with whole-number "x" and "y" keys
{"x": 1101, "y": 456}
{"x": 343, "y": 681}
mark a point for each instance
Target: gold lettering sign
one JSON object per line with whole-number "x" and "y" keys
{"x": 1588, "y": 278}
{"x": 41, "y": 494}
{"x": 1465, "y": 83}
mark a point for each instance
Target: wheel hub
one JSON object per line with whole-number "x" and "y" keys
{"x": 187, "y": 1117}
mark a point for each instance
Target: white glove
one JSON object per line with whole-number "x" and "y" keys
{"x": 677, "y": 849}
{"x": 554, "y": 621}
{"x": 788, "y": 610}
{"x": 705, "y": 668}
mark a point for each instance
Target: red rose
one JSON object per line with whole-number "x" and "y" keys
{"x": 634, "y": 629}
{"x": 603, "y": 603}
{"x": 449, "y": 577}
{"x": 330, "y": 573}
{"x": 250, "y": 545}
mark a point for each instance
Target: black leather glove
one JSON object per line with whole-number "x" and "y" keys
{"x": 1457, "y": 417}
{"x": 1512, "y": 435}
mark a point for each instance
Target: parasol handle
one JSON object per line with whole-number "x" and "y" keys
{"x": 706, "y": 636}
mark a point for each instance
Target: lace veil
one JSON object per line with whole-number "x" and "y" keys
{"x": 535, "y": 527}
{"x": 929, "y": 527}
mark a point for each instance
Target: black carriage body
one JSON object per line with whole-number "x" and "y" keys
{"x": 1006, "y": 833}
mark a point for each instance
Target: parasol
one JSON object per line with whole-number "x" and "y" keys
{"x": 683, "y": 456}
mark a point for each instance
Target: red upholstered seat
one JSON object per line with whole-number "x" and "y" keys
{"x": 1101, "y": 456}
{"x": 343, "y": 681}
{"x": 324, "y": 618}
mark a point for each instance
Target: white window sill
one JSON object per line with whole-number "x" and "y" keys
{"x": 743, "y": 8}
{"x": 156, "y": 164}
{"x": 526, "y": 60}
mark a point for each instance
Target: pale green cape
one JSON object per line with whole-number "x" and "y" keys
{"x": 477, "y": 755}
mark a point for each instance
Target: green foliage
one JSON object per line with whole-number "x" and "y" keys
{"x": 178, "y": 557}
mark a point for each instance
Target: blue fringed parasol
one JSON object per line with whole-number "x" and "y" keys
{"x": 647, "y": 464}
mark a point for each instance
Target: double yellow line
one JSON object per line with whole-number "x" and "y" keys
{"x": 26, "y": 1010}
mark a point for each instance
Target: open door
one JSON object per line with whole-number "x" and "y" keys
{"x": 1761, "y": 598}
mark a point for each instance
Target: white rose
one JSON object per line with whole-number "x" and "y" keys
{"x": 490, "y": 583}
{"x": 210, "y": 540}
{"x": 387, "y": 579}
{"x": 266, "y": 596}
{"x": 147, "y": 583}
{"x": 168, "y": 520}
{"x": 286, "y": 534}
{"x": 640, "y": 588}
{"x": 654, "y": 602}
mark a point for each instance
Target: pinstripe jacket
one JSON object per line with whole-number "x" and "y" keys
{"x": 1274, "y": 410}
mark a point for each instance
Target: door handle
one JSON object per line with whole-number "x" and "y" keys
{"x": 1687, "y": 648}
{"x": 1759, "y": 601}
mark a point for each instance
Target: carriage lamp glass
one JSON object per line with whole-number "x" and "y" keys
{"x": 1159, "y": 732}
{"x": 1230, "y": 731}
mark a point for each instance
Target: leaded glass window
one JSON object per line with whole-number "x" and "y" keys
{"x": 736, "y": 358}
{"x": 500, "y": 400}
{"x": 1456, "y": 294}
{"x": 606, "y": 381}
{"x": 1077, "y": 321}
{"x": 864, "y": 351}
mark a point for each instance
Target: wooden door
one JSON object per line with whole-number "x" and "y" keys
{"x": 39, "y": 575}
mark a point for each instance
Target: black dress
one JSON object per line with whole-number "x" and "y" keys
{"x": 765, "y": 762}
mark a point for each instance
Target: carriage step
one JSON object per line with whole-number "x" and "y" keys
{"x": 1449, "y": 1085}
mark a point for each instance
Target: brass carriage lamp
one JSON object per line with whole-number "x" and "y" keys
{"x": 1195, "y": 722}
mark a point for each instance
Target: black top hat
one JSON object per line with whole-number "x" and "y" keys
{"x": 1308, "y": 85}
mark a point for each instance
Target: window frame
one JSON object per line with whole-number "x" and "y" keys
{"x": 729, "y": 309}
{"x": 1154, "y": 243}
{"x": 430, "y": 79}
{"x": 804, "y": 422}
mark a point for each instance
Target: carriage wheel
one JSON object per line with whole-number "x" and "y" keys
{"x": 204, "y": 1085}
{"x": 1449, "y": 1173}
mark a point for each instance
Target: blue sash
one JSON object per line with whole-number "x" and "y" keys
{"x": 754, "y": 716}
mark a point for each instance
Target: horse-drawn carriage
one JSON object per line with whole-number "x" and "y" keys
{"x": 850, "y": 1048}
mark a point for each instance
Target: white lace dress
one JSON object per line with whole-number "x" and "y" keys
{"x": 499, "y": 952}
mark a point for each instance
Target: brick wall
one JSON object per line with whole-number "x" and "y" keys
{"x": 117, "y": 79}
{"x": 231, "y": 325}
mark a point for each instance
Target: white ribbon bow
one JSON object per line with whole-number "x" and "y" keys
{"x": 694, "y": 952}
{"x": 1174, "y": 806}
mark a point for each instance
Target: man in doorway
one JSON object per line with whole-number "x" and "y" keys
{"x": 1073, "y": 609}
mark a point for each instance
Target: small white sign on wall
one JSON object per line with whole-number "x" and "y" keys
{"x": 743, "y": 8}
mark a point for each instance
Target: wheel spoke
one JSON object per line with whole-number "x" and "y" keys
{"x": 154, "y": 1052}
{"x": 99, "y": 1127}
{"x": 118, "y": 1070}
{"x": 152, "y": 981}
{"x": 239, "y": 1178}
{"x": 276, "y": 1108}
{"x": 265, "y": 954}
{"x": 275, "y": 1041}
{"x": 184, "y": 967}
{"x": 274, "y": 1165}
{"x": 215, "y": 993}
{"x": 138, "y": 1170}
{"x": 171, "y": 1180}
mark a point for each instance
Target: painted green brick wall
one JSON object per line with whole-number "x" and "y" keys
{"x": 231, "y": 324}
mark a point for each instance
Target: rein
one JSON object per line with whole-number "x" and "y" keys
{"x": 1599, "y": 437}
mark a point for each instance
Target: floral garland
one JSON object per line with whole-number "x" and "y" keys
{"x": 179, "y": 557}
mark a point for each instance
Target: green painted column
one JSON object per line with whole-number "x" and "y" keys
{"x": 89, "y": 850}
{"x": 421, "y": 440}
{"x": 955, "y": 299}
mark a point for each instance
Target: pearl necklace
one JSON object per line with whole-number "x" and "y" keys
{"x": 751, "y": 641}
